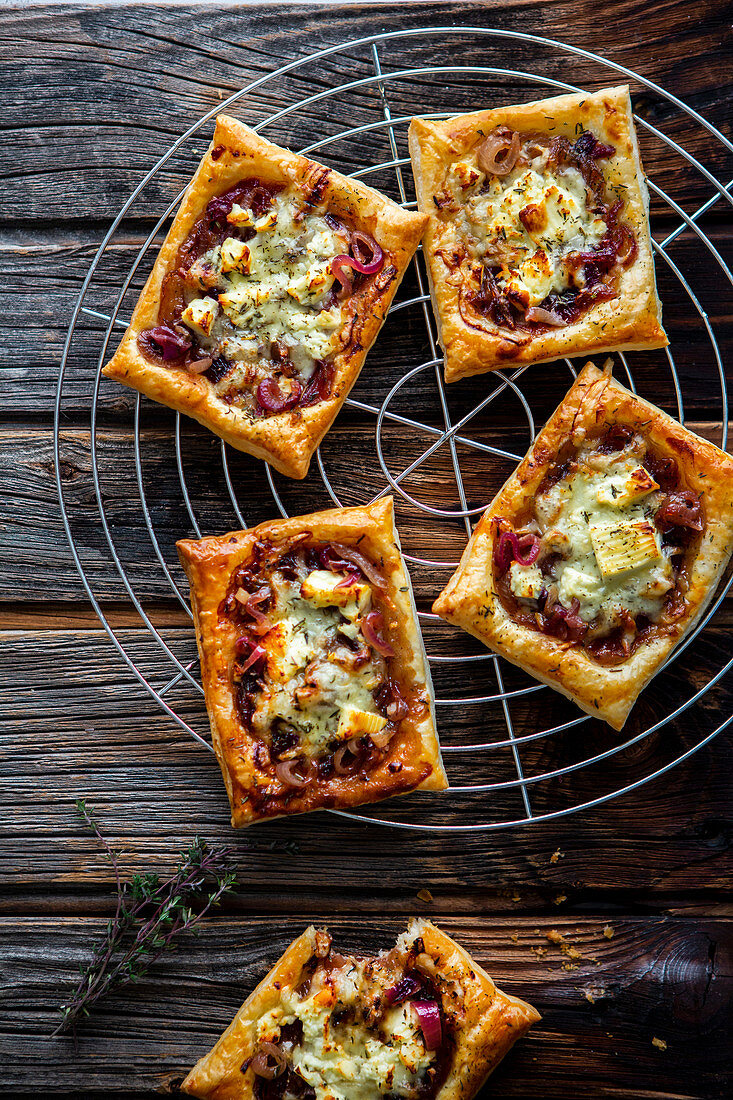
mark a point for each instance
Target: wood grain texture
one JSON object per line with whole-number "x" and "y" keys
{"x": 93, "y": 93}
{"x": 603, "y": 1002}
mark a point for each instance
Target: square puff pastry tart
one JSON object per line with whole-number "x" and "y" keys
{"x": 422, "y": 1021}
{"x": 312, "y": 662}
{"x": 538, "y": 242}
{"x": 602, "y": 550}
{"x": 246, "y": 323}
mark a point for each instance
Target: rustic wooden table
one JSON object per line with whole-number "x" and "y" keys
{"x": 640, "y": 887}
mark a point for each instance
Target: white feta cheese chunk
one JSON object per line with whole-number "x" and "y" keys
{"x": 525, "y": 581}
{"x": 200, "y": 315}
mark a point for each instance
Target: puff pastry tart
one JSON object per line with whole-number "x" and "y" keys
{"x": 313, "y": 666}
{"x": 422, "y": 1021}
{"x": 538, "y": 242}
{"x": 601, "y": 551}
{"x": 267, "y": 294}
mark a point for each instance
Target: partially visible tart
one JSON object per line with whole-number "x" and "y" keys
{"x": 269, "y": 290}
{"x": 313, "y": 666}
{"x": 422, "y": 1021}
{"x": 602, "y": 550}
{"x": 538, "y": 241}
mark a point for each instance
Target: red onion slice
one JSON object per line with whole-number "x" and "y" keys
{"x": 428, "y": 1016}
{"x": 361, "y": 241}
{"x": 497, "y": 153}
{"x": 269, "y": 1061}
{"x": 510, "y": 545}
{"x": 272, "y": 398}
{"x": 681, "y": 509}
{"x": 172, "y": 343}
{"x": 348, "y": 553}
{"x": 257, "y": 654}
{"x": 346, "y": 756}
{"x": 404, "y": 989}
{"x": 370, "y": 624}
{"x": 541, "y": 316}
{"x": 286, "y": 772}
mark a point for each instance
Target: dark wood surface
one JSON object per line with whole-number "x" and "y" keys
{"x": 640, "y": 888}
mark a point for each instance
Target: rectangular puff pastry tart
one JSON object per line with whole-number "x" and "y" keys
{"x": 538, "y": 242}
{"x": 601, "y": 551}
{"x": 266, "y": 296}
{"x": 422, "y": 1021}
{"x": 313, "y": 666}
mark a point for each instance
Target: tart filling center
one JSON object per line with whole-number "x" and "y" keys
{"x": 312, "y": 670}
{"x": 539, "y": 227}
{"x": 604, "y": 555}
{"x": 258, "y": 301}
{"x": 355, "y": 1029}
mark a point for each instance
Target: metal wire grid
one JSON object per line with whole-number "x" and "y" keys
{"x": 451, "y": 434}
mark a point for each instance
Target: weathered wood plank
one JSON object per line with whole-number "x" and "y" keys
{"x": 42, "y": 276}
{"x": 84, "y": 728}
{"x": 142, "y": 73}
{"x": 603, "y": 1001}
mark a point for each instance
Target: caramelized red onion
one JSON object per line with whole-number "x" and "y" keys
{"x": 538, "y": 315}
{"x": 258, "y": 654}
{"x": 286, "y": 771}
{"x": 510, "y": 546}
{"x": 404, "y": 989}
{"x": 370, "y": 624}
{"x": 274, "y": 400}
{"x": 397, "y": 710}
{"x": 263, "y": 623}
{"x": 681, "y": 509}
{"x": 567, "y": 620}
{"x": 173, "y": 343}
{"x": 428, "y": 1015}
{"x": 269, "y": 1061}
{"x": 370, "y": 571}
{"x": 362, "y": 245}
{"x": 498, "y": 153}
{"x": 346, "y": 756}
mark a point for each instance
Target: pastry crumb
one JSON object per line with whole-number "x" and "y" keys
{"x": 608, "y": 932}
{"x": 554, "y": 936}
{"x": 559, "y": 899}
{"x": 556, "y": 856}
{"x": 425, "y": 895}
{"x": 660, "y": 1044}
{"x": 514, "y": 937}
{"x": 594, "y": 993}
{"x": 516, "y": 897}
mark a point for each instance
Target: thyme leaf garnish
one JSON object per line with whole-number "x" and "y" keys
{"x": 148, "y": 917}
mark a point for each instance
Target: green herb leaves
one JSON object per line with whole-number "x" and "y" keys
{"x": 149, "y": 915}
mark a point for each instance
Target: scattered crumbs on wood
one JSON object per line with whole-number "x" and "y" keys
{"x": 514, "y": 937}
{"x": 219, "y": 93}
{"x": 516, "y": 897}
{"x": 559, "y": 899}
{"x": 569, "y": 950}
{"x": 556, "y": 856}
{"x": 608, "y": 931}
{"x": 594, "y": 993}
{"x": 660, "y": 1044}
{"x": 425, "y": 895}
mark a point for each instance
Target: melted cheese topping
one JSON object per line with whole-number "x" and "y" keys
{"x": 274, "y": 287}
{"x": 526, "y": 224}
{"x": 310, "y": 683}
{"x": 613, "y": 560}
{"x": 348, "y": 1061}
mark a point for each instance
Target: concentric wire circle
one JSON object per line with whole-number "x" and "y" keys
{"x": 469, "y": 806}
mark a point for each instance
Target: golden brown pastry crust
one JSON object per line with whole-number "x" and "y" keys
{"x": 632, "y": 320}
{"x": 470, "y": 598}
{"x": 286, "y": 440}
{"x": 486, "y": 1021}
{"x": 209, "y": 564}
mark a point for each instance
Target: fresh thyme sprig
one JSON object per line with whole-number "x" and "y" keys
{"x": 149, "y": 915}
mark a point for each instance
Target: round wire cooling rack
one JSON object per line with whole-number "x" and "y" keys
{"x": 551, "y": 770}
